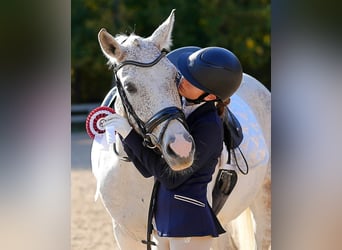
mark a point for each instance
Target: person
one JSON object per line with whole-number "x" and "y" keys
{"x": 183, "y": 218}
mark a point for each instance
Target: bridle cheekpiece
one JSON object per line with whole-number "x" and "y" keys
{"x": 166, "y": 114}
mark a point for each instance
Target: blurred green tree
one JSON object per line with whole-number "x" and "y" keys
{"x": 242, "y": 26}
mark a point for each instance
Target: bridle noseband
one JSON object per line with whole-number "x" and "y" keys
{"x": 166, "y": 114}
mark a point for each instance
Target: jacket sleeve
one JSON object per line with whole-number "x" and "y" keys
{"x": 208, "y": 139}
{"x": 150, "y": 163}
{"x": 153, "y": 163}
{"x": 137, "y": 163}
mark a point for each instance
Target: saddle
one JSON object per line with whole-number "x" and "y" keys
{"x": 227, "y": 178}
{"x": 233, "y": 135}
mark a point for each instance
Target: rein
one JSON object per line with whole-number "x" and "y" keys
{"x": 166, "y": 114}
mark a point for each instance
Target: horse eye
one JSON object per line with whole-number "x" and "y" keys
{"x": 130, "y": 87}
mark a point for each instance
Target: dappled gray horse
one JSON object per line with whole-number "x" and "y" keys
{"x": 148, "y": 85}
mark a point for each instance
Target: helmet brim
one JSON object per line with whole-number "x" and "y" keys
{"x": 174, "y": 55}
{"x": 183, "y": 66}
{"x": 180, "y": 58}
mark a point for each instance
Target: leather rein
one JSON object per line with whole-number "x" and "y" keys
{"x": 166, "y": 114}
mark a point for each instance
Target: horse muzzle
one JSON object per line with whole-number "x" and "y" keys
{"x": 179, "y": 150}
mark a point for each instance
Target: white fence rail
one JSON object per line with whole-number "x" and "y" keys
{"x": 79, "y": 112}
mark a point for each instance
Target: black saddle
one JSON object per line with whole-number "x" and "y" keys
{"x": 233, "y": 135}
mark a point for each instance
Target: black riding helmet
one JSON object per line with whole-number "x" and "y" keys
{"x": 214, "y": 70}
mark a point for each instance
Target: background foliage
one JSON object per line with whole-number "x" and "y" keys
{"x": 242, "y": 26}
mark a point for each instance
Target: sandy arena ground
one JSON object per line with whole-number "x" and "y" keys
{"x": 91, "y": 227}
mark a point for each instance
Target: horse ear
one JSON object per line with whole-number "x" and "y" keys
{"x": 161, "y": 37}
{"x": 109, "y": 46}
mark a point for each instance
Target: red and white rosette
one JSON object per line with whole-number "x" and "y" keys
{"x": 95, "y": 119}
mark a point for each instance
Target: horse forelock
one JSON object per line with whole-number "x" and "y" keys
{"x": 121, "y": 38}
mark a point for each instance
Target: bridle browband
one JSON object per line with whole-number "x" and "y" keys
{"x": 166, "y": 114}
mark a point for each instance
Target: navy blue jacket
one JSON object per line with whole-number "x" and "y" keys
{"x": 182, "y": 208}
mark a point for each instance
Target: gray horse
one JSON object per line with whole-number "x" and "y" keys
{"x": 150, "y": 89}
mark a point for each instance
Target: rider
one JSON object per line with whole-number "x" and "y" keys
{"x": 183, "y": 218}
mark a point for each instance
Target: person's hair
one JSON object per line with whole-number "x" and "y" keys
{"x": 221, "y": 105}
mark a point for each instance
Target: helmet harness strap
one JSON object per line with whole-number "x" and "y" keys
{"x": 200, "y": 99}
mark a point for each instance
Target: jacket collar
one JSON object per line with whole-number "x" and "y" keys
{"x": 198, "y": 113}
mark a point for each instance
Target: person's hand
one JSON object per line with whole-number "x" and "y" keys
{"x": 115, "y": 122}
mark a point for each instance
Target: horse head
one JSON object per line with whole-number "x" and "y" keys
{"x": 146, "y": 81}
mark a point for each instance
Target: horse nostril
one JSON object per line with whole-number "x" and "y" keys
{"x": 188, "y": 138}
{"x": 170, "y": 151}
{"x": 180, "y": 146}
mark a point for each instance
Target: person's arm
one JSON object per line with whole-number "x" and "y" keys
{"x": 152, "y": 162}
{"x": 141, "y": 168}
{"x": 158, "y": 167}
{"x": 117, "y": 123}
